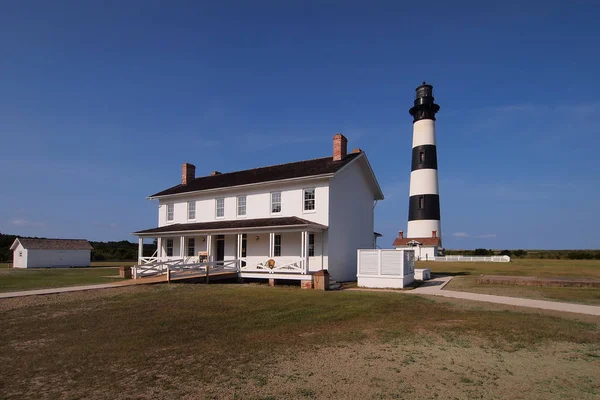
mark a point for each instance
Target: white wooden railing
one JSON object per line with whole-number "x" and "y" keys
{"x": 149, "y": 260}
{"x": 173, "y": 268}
{"x": 473, "y": 258}
{"x": 188, "y": 265}
{"x": 295, "y": 265}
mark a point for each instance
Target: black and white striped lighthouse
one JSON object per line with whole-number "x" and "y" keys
{"x": 424, "y": 204}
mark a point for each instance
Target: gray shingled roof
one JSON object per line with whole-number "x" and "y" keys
{"x": 234, "y": 224}
{"x": 55, "y": 244}
{"x": 291, "y": 170}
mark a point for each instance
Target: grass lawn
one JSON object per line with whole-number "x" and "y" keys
{"x": 23, "y": 279}
{"x": 519, "y": 267}
{"x": 113, "y": 263}
{"x": 255, "y": 342}
{"x": 466, "y": 272}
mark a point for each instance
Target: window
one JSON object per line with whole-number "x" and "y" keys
{"x": 309, "y": 199}
{"x": 220, "y": 207}
{"x": 20, "y": 254}
{"x": 169, "y": 247}
{"x": 241, "y": 206}
{"x": 421, "y": 202}
{"x": 191, "y": 247}
{"x": 170, "y": 211}
{"x": 422, "y": 157}
{"x": 311, "y": 244}
{"x": 275, "y": 202}
{"x": 191, "y": 210}
{"x": 277, "y": 246}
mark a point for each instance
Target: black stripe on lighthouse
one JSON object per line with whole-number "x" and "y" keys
{"x": 424, "y": 206}
{"x": 424, "y": 157}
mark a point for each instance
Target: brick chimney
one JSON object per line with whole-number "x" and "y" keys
{"x": 401, "y": 234}
{"x": 188, "y": 173}
{"x": 357, "y": 150}
{"x": 433, "y": 234}
{"x": 340, "y": 146}
{"x": 215, "y": 173}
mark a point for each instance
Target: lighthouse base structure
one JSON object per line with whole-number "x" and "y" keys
{"x": 425, "y": 248}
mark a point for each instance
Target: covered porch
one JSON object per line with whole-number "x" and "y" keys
{"x": 282, "y": 248}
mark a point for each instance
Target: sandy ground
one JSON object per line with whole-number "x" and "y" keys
{"x": 428, "y": 367}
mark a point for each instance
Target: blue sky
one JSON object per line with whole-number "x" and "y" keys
{"x": 101, "y": 103}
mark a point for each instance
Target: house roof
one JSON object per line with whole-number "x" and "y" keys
{"x": 300, "y": 169}
{"x": 427, "y": 241}
{"x": 52, "y": 244}
{"x": 215, "y": 226}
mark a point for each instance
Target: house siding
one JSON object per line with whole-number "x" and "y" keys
{"x": 38, "y": 258}
{"x": 258, "y": 203}
{"x": 351, "y": 220}
{"x": 20, "y": 262}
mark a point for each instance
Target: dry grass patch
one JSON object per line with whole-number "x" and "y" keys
{"x": 249, "y": 341}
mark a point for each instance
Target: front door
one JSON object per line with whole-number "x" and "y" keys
{"x": 220, "y": 251}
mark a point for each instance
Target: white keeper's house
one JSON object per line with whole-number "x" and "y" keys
{"x": 282, "y": 221}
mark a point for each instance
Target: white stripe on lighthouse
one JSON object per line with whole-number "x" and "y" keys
{"x": 423, "y": 132}
{"x": 424, "y": 181}
{"x": 424, "y": 227}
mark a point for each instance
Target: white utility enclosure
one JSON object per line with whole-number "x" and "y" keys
{"x": 378, "y": 268}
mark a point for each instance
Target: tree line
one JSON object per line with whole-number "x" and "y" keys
{"x": 103, "y": 251}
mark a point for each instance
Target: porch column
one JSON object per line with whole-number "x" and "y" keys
{"x": 305, "y": 250}
{"x": 182, "y": 246}
{"x": 239, "y": 250}
{"x": 209, "y": 247}
{"x": 140, "y": 249}
{"x": 159, "y": 253}
{"x": 271, "y": 244}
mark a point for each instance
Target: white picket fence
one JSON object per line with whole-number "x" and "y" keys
{"x": 473, "y": 258}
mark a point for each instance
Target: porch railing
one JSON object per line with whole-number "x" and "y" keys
{"x": 151, "y": 259}
{"x": 174, "y": 268}
{"x": 190, "y": 265}
{"x": 280, "y": 265}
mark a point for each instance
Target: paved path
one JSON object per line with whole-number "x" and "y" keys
{"x": 58, "y": 290}
{"x": 434, "y": 288}
{"x": 126, "y": 282}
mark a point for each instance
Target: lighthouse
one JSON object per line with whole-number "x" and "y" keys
{"x": 424, "y": 232}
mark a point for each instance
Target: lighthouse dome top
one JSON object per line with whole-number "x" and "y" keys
{"x": 425, "y": 90}
{"x": 424, "y": 105}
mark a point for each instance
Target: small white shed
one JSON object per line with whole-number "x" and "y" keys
{"x": 51, "y": 253}
{"x": 385, "y": 268}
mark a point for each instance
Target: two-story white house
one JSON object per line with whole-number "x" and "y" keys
{"x": 304, "y": 216}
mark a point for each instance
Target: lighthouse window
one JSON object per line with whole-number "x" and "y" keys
{"x": 422, "y": 157}
{"x": 421, "y": 202}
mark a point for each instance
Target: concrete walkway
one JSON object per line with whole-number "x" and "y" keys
{"x": 434, "y": 287}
